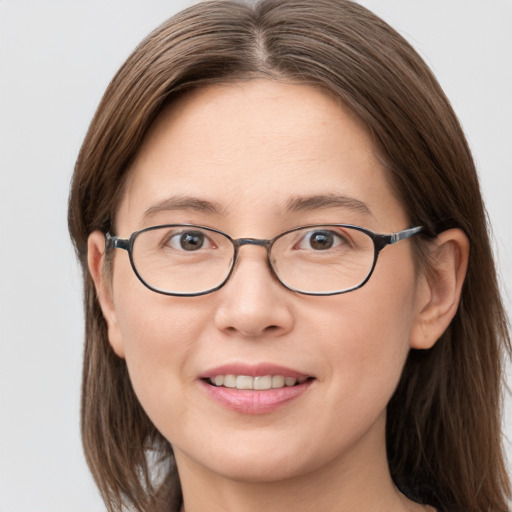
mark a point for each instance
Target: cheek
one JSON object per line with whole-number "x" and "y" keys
{"x": 151, "y": 323}
{"x": 159, "y": 335}
{"x": 369, "y": 340}
{"x": 160, "y": 343}
{"x": 366, "y": 348}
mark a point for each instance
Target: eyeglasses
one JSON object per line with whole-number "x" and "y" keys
{"x": 190, "y": 260}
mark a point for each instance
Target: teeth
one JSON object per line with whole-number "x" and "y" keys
{"x": 278, "y": 381}
{"x": 244, "y": 382}
{"x": 290, "y": 381}
{"x": 263, "y": 382}
{"x": 230, "y": 381}
{"x": 255, "y": 383}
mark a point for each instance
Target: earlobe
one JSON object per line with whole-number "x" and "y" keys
{"x": 440, "y": 288}
{"x": 95, "y": 260}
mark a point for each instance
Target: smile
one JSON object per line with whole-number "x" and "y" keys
{"x": 255, "y": 383}
{"x": 255, "y": 388}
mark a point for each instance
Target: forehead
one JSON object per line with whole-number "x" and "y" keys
{"x": 244, "y": 115}
{"x": 255, "y": 146}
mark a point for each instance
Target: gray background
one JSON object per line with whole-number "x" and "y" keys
{"x": 56, "y": 58}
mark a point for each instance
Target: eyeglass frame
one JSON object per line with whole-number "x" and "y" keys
{"x": 379, "y": 242}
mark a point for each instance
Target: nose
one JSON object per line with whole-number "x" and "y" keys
{"x": 253, "y": 303}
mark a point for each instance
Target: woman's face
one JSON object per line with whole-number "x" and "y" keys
{"x": 253, "y": 160}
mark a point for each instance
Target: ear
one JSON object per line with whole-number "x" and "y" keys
{"x": 102, "y": 282}
{"x": 440, "y": 288}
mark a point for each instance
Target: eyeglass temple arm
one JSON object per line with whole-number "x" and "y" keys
{"x": 402, "y": 235}
{"x": 114, "y": 242}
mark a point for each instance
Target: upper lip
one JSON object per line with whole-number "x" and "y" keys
{"x": 253, "y": 370}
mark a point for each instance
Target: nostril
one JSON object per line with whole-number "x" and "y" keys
{"x": 256, "y": 332}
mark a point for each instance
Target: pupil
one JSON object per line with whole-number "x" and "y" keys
{"x": 191, "y": 241}
{"x": 321, "y": 240}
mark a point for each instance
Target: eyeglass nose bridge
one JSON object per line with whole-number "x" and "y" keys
{"x": 252, "y": 241}
{"x": 262, "y": 242}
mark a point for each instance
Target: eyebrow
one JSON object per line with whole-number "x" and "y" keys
{"x": 184, "y": 203}
{"x": 324, "y": 201}
{"x": 294, "y": 204}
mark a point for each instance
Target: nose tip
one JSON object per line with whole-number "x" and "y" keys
{"x": 253, "y": 303}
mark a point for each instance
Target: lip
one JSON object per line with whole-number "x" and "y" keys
{"x": 252, "y": 401}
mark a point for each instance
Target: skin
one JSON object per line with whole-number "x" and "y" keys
{"x": 250, "y": 148}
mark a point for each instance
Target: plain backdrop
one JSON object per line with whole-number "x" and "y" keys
{"x": 56, "y": 58}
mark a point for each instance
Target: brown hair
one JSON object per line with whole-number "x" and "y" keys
{"x": 443, "y": 431}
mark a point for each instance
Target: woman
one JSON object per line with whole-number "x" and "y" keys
{"x": 260, "y": 346}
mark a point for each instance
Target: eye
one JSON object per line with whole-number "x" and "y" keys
{"x": 320, "y": 240}
{"x": 189, "y": 241}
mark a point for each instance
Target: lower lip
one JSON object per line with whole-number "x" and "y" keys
{"x": 255, "y": 402}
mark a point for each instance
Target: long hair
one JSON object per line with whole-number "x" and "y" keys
{"x": 444, "y": 427}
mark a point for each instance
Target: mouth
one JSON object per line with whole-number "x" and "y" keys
{"x": 255, "y": 388}
{"x": 256, "y": 383}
